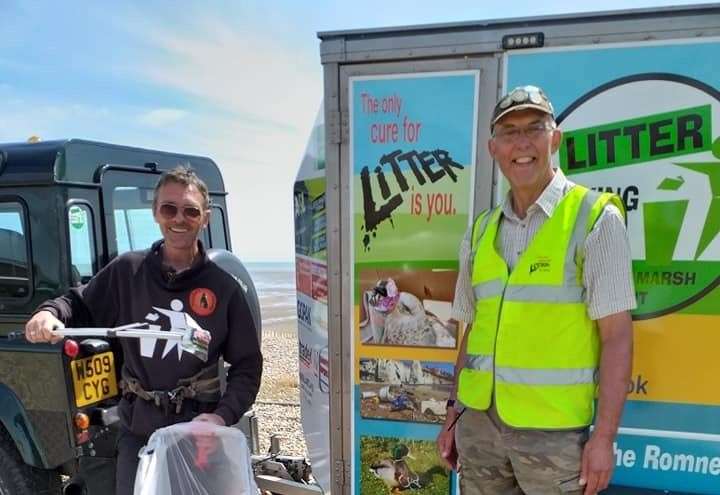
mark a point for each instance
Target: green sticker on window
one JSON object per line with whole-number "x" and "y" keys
{"x": 76, "y": 216}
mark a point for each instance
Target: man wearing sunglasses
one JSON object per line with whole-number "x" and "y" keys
{"x": 545, "y": 286}
{"x": 172, "y": 284}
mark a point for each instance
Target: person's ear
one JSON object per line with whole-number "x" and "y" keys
{"x": 155, "y": 214}
{"x": 492, "y": 147}
{"x": 208, "y": 212}
{"x": 556, "y": 140}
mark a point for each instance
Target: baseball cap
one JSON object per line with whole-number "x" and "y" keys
{"x": 522, "y": 98}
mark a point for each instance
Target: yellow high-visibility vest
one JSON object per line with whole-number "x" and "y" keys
{"x": 532, "y": 342}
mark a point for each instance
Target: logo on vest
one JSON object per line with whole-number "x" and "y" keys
{"x": 541, "y": 265}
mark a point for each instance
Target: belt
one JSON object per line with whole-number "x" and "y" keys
{"x": 195, "y": 387}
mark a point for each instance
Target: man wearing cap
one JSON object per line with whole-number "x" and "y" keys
{"x": 546, "y": 289}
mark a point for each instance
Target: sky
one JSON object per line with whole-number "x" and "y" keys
{"x": 237, "y": 81}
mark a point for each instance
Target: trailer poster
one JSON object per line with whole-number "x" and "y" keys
{"x": 312, "y": 286}
{"x": 644, "y": 122}
{"x": 412, "y": 159}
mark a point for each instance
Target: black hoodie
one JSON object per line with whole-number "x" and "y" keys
{"x": 136, "y": 287}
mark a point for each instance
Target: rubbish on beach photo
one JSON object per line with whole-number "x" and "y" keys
{"x": 404, "y": 390}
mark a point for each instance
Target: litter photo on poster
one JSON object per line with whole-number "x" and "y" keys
{"x": 407, "y": 308}
{"x": 643, "y": 122}
{"x": 412, "y": 163}
{"x": 405, "y": 390}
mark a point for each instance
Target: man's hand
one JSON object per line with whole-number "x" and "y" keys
{"x": 446, "y": 441}
{"x": 203, "y": 433}
{"x": 615, "y": 364}
{"x": 210, "y": 418}
{"x": 40, "y": 328}
{"x": 446, "y": 447}
{"x": 597, "y": 464}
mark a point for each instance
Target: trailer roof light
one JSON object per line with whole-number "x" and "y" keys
{"x": 524, "y": 40}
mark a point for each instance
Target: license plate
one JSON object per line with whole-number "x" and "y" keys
{"x": 94, "y": 378}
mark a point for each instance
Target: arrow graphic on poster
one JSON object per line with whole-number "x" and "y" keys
{"x": 672, "y": 184}
{"x": 712, "y": 220}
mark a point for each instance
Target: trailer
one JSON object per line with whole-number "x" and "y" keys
{"x": 398, "y": 168}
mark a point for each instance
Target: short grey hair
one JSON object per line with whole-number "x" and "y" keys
{"x": 185, "y": 175}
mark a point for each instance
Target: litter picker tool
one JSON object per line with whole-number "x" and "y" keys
{"x": 191, "y": 339}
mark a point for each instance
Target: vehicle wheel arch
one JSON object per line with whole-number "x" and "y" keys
{"x": 18, "y": 428}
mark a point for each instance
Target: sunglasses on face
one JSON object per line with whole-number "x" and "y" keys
{"x": 169, "y": 210}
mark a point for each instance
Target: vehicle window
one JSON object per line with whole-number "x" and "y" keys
{"x": 135, "y": 227}
{"x": 81, "y": 232}
{"x": 14, "y": 265}
{"x": 217, "y": 228}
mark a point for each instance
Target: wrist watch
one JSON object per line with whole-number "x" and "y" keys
{"x": 450, "y": 403}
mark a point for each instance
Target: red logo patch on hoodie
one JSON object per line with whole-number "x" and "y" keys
{"x": 203, "y": 302}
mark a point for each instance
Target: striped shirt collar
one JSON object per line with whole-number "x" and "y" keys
{"x": 547, "y": 201}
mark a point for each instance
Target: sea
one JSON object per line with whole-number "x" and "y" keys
{"x": 275, "y": 286}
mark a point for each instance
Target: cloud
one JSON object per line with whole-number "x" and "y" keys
{"x": 254, "y": 97}
{"x": 161, "y": 117}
